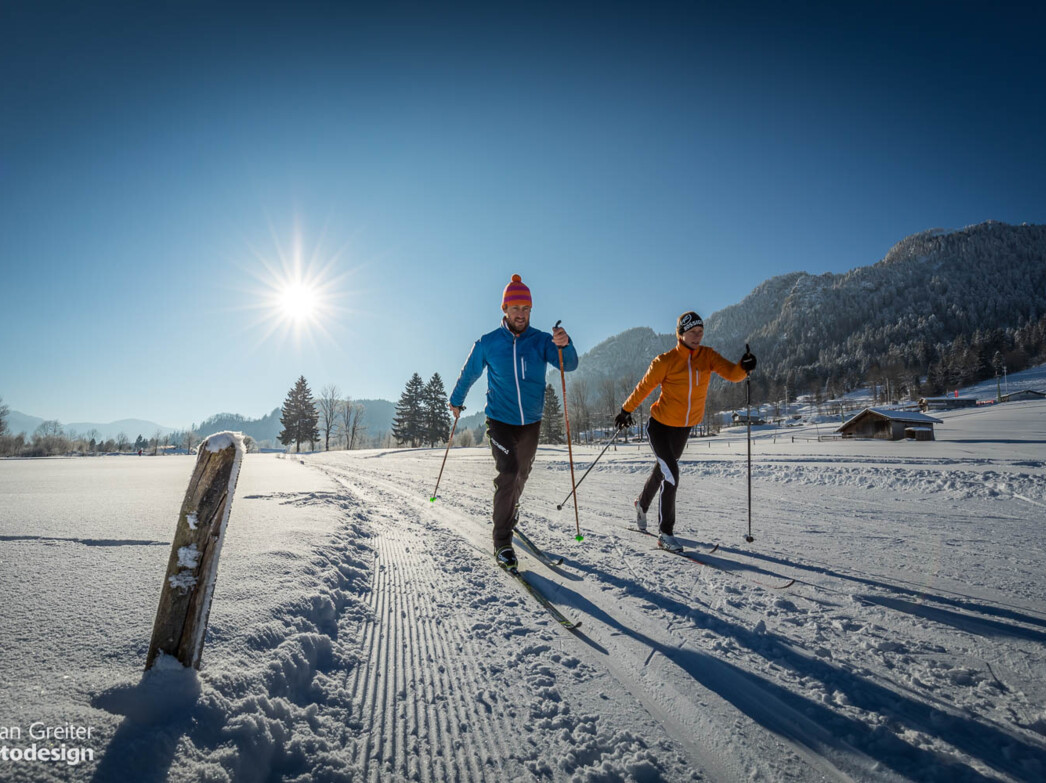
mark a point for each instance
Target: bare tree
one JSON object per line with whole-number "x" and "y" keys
{"x": 51, "y": 428}
{"x": 122, "y": 442}
{"x": 608, "y": 401}
{"x": 48, "y": 439}
{"x": 579, "y": 407}
{"x": 190, "y": 438}
{"x": 351, "y": 423}
{"x": 4, "y": 411}
{"x": 327, "y": 404}
{"x": 625, "y": 387}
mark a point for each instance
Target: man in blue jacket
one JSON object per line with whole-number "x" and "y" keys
{"x": 515, "y": 356}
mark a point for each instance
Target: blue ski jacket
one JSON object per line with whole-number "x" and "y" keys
{"x": 515, "y": 372}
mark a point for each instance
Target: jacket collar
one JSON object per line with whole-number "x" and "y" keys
{"x": 683, "y": 351}
{"x": 510, "y": 334}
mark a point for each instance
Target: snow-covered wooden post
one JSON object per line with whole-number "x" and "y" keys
{"x": 185, "y": 601}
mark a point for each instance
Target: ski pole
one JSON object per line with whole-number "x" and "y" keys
{"x": 445, "y": 453}
{"x": 570, "y": 448}
{"x": 748, "y": 398}
{"x": 607, "y": 446}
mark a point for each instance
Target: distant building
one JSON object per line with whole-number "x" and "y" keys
{"x": 889, "y": 425}
{"x": 946, "y": 403}
{"x": 1023, "y": 394}
{"x": 742, "y": 418}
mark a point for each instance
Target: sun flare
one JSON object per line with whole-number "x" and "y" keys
{"x": 300, "y": 296}
{"x": 300, "y": 302}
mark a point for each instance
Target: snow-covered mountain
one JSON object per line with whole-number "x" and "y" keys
{"x": 938, "y": 299}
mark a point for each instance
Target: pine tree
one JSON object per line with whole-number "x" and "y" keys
{"x": 408, "y": 425}
{"x": 299, "y": 417}
{"x": 551, "y": 418}
{"x": 437, "y": 414}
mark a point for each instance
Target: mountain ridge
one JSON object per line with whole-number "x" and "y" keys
{"x": 915, "y": 313}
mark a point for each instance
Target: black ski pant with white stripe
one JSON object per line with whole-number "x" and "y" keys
{"x": 668, "y": 444}
{"x": 514, "y": 447}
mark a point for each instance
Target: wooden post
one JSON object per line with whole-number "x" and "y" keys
{"x": 185, "y": 600}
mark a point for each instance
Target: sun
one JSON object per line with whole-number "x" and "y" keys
{"x": 300, "y": 302}
{"x": 299, "y": 297}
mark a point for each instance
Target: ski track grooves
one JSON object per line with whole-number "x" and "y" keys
{"x": 659, "y": 697}
{"x": 410, "y": 700}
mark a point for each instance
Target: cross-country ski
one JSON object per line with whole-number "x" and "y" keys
{"x": 535, "y": 550}
{"x": 738, "y": 570}
{"x": 538, "y": 596}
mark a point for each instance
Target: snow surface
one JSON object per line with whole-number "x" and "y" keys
{"x": 360, "y": 632}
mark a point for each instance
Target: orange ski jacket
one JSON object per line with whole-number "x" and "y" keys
{"x": 683, "y": 376}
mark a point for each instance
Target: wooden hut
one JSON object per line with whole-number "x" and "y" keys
{"x": 889, "y": 425}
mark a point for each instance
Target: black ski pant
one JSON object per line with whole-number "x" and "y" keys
{"x": 514, "y": 447}
{"x": 668, "y": 444}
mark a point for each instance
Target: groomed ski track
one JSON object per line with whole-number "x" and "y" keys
{"x": 467, "y": 677}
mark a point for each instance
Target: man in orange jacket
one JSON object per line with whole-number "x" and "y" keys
{"x": 683, "y": 375}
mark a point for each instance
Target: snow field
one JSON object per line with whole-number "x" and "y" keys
{"x": 360, "y": 632}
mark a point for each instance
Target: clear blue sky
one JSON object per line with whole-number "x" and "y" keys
{"x": 163, "y": 164}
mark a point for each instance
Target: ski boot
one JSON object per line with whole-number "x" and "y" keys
{"x": 506, "y": 558}
{"x": 640, "y": 517}
{"x": 669, "y": 543}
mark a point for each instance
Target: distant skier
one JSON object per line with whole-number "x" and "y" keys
{"x": 683, "y": 374}
{"x": 515, "y": 356}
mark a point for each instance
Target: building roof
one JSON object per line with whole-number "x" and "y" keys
{"x": 1025, "y": 392}
{"x": 908, "y": 417}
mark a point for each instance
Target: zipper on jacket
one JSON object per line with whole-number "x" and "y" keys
{"x": 515, "y": 372}
{"x": 689, "y": 391}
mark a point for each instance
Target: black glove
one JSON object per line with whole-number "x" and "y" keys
{"x": 748, "y": 360}
{"x": 623, "y": 419}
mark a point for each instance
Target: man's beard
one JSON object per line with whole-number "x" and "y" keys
{"x": 512, "y": 327}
